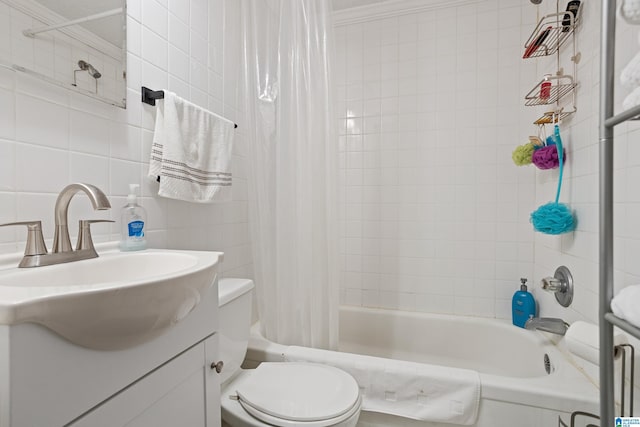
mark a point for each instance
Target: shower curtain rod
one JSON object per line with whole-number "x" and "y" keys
{"x": 149, "y": 97}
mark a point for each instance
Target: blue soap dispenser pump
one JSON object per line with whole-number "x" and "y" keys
{"x": 523, "y": 305}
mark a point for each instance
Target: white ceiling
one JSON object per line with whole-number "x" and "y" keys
{"x": 110, "y": 29}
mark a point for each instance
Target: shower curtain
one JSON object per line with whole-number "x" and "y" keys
{"x": 292, "y": 158}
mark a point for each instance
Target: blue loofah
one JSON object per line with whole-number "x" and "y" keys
{"x": 554, "y": 217}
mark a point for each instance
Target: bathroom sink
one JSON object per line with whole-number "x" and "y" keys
{"x": 115, "y": 301}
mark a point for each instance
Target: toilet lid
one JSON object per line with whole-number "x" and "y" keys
{"x": 302, "y": 392}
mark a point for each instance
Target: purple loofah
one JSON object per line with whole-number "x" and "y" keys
{"x": 547, "y": 157}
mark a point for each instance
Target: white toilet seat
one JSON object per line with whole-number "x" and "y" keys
{"x": 293, "y": 394}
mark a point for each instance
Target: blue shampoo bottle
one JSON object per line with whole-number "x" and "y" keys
{"x": 523, "y": 305}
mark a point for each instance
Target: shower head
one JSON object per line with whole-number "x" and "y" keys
{"x": 85, "y": 66}
{"x": 536, "y": 1}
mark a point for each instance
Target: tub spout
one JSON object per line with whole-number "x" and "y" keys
{"x": 547, "y": 324}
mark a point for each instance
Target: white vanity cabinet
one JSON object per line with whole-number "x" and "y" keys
{"x": 171, "y": 395}
{"x": 49, "y": 382}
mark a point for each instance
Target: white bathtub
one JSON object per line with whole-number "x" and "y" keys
{"x": 516, "y": 389}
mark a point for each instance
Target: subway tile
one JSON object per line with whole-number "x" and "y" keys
{"x": 90, "y": 169}
{"x": 125, "y": 142}
{"x": 200, "y": 17}
{"x": 154, "y": 48}
{"x": 41, "y": 122}
{"x": 37, "y": 207}
{"x": 88, "y": 133}
{"x": 7, "y": 166}
{"x": 178, "y": 63}
{"x": 122, "y": 173}
{"x": 8, "y": 214}
{"x": 180, "y": 8}
{"x": 155, "y": 17}
{"x": 134, "y": 10}
{"x": 178, "y": 33}
{"x": 134, "y": 36}
{"x": 41, "y": 169}
{"x": 199, "y": 78}
{"x": 7, "y": 114}
{"x": 199, "y": 48}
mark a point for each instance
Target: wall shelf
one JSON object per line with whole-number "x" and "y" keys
{"x": 550, "y": 34}
{"x": 560, "y": 87}
{"x": 552, "y": 117}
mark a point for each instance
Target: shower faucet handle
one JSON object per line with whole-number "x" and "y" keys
{"x": 35, "y": 240}
{"x": 552, "y": 284}
{"x": 561, "y": 284}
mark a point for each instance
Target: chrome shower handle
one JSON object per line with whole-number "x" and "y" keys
{"x": 35, "y": 240}
{"x": 551, "y": 284}
{"x": 561, "y": 284}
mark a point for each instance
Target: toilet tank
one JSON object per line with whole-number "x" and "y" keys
{"x": 234, "y": 302}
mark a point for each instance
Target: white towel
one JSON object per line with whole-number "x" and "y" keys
{"x": 630, "y": 11}
{"x": 626, "y": 304}
{"x": 407, "y": 389}
{"x": 191, "y": 152}
{"x": 632, "y": 99}
{"x": 630, "y": 74}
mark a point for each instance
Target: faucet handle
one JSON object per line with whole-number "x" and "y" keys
{"x": 551, "y": 284}
{"x": 35, "y": 240}
{"x": 85, "y": 241}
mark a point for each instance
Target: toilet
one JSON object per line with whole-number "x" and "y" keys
{"x": 276, "y": 394}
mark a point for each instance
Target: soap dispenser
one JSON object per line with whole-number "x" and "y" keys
{"x": 523, "y": 305}
{"x": 133, "y": 219}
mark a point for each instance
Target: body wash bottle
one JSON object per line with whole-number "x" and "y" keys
{"x": 523, "y": 305}
{"x": 133, "y": 220}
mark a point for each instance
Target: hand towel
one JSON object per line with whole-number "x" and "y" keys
{"x": 191, "y": 152}
{"x": 408, "y": 389}
{"x": 626, "y": 304}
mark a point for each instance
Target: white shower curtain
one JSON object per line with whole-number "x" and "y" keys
{"x": 292, "y": 150}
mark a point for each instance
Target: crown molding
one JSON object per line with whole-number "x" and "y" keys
{"x": 391, "y": 8}
{"x": 49, "y": 17}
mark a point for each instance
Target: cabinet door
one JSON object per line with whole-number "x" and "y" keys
{"x": 171, "y": 395}
{"x": 212, "y": 382}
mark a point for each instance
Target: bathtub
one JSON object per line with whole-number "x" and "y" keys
{"x": 526, "y": 380}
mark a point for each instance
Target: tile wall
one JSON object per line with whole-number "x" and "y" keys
{"x": 50, "y": 137}
{"x": 435, "y": 215}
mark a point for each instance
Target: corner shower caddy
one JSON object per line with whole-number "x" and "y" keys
{"x": 551, "y": 32}
{"x": 607, "y": 123}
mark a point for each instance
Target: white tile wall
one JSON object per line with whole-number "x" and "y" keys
{"x": 435, "y": 215}
{"x": 50, "y": 137}
{"x": 432, "y": 206}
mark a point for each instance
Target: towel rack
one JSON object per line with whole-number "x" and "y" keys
{"x": 149, "y": 97}
{"x": 608, "y": 120}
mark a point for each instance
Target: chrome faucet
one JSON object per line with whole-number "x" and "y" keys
{"x": 36, "y": 254}
{"x": 61, "y": 241}
{"x": 547, "y": 324}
